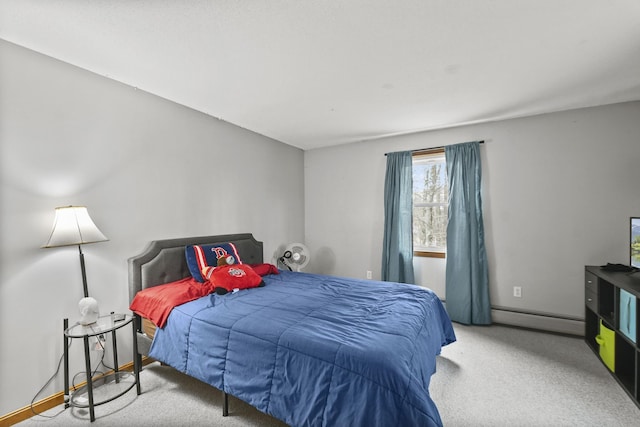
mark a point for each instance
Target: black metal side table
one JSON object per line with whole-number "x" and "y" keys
{"x": 108, "y": 324}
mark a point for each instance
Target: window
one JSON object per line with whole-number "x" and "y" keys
{"x": 430, "y": 203}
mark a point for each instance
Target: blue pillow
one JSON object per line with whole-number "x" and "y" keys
{"x": 201, "y": 256}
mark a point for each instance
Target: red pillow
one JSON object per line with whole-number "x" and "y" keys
{"x": 227, "y": 278}
{"x": 264, "y": 269}
{"x": 156, "y": 303}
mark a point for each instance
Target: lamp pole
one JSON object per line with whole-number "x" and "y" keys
{"x": 84, "y": 273}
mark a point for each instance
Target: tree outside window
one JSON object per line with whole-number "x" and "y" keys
{"x": 430, "y": 203}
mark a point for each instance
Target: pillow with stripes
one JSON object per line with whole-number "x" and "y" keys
{"x": 201, "y": 256}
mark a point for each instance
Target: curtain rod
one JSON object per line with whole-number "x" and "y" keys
{"x": 433, "y": 148}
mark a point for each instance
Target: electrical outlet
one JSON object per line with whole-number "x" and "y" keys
{"x": 517, "y": 291}
{"x": 369, "y": 274}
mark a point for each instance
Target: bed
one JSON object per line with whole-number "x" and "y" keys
{"x": 308, "y": 349}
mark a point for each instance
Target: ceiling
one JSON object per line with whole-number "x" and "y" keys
{"x": 315, "y": 73}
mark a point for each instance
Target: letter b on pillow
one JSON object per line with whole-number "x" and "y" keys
{"x": 201, "y": 256}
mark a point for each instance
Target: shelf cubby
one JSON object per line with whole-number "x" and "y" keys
{"x": 611, "y": 299}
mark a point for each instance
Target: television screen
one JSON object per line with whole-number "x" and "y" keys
{"x": 635, "y": 242}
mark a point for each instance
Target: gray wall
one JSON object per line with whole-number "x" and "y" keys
{"x": 558, "y": 188}
{"x": 145, "y": 168}
{"x": 558, "y": 193}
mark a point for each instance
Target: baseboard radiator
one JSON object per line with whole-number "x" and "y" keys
{"x": 539, "y": 321}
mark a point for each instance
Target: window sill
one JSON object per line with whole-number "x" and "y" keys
{"x": 427, "y": 254}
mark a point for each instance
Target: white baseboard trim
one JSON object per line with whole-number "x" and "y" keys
{"x": 541, "y": 321}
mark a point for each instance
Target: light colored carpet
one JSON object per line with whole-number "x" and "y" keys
{"x": 501, "y": 376}
{"x": 169, "y": 398}
{"x": 493, "y": 376}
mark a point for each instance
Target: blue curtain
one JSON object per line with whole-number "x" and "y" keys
{"x": 397, "y": 249}
{"x": 467, "y": 278}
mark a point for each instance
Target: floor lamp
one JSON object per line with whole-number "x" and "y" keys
{"x": 73, "y": 226}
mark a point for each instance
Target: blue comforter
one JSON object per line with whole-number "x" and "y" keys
{"x": 315, "y": 350}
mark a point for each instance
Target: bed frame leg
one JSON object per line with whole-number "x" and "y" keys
{"x": 225, "y": 405}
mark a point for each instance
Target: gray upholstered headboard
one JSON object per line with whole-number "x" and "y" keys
{"x": 163, "y": 261}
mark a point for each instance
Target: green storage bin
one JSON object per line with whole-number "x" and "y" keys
{"x": 606, "y": 339}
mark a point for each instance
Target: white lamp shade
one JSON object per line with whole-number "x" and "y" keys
{"x": 73, "y": 226}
